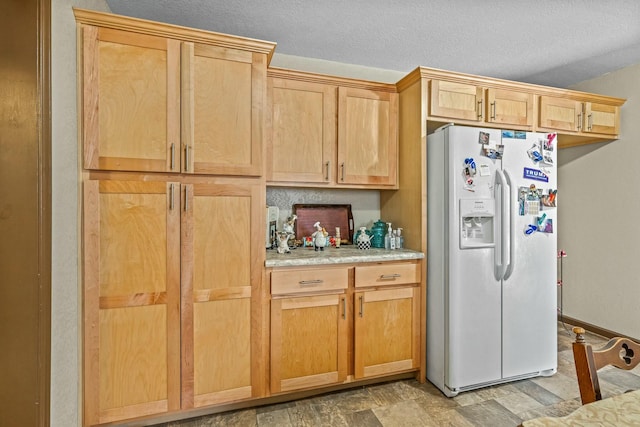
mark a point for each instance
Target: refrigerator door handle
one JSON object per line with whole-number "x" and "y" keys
{"x": 499, "y": 248}
{"x": 507, "y": 227}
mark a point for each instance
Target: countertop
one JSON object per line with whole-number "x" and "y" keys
{"x": 342, "y": 255}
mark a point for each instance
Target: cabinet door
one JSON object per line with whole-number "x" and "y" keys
{"x": 308, "y": 342}
{"x": 367, "y": 137}
{"x": 560, "y": 114}
{"x": 221, "y": 269}
{"x": 223, "y": 94}
{"x": 302, "y": 132}
{"x": 387, "y": 331}
{"x": 131, "y": 299}
{"x": 508, "y": 107}
{"x": 131, "y": 101}
{"x": 602, "y": 118}
{"x": 456, "y": 100}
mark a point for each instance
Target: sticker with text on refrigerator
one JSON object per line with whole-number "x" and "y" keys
{"x": 535, "y": 174}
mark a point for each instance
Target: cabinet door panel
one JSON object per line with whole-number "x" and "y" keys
{"x": 308, "y": 342}
{"x": 221, "y": 351}
{"x": 367, "y": 137}
{"x": 509, "y": 107}
{"x": 560, "y": 113}
{"x": 131, "y": 101}
{"x": 387, "y": 330}
{"x": 602, "y": 118}
{"x": 131, "y": 299}
{"x": 221, "y": 123}
{"x": 456, "y": 100}
{"x": 220, "y": 272}
{"x": 302, "y": 131}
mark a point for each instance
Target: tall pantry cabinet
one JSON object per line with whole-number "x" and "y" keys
{"x": 173, "y": 196}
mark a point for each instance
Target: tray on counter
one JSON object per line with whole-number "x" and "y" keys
{"x": 330, "y": 217}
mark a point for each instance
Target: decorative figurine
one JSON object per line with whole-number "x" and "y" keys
{"x": 319, "y": 237}
{"x": 282, "y": 238}
{"x": 364, "y": 240}
{"x": 287, "y": 227}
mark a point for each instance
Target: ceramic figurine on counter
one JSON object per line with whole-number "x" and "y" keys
{"x": 287, "y": 227}
{"x": 364, "y": 240}
{"x": 282, "y": 238}
{"x": 288, "y": 224}
{"x": 319, "y": 237}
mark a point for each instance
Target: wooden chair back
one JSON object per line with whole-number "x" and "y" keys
{"x": 620, "y": 352}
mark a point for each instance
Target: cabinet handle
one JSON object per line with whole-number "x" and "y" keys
{"x": 389, "y": 276}
{"x": 579, "y": 121}
{"x": 173, "y": 156}
{"x": 589, "y": 122}
{"x": 186, "y": 158}
{"x": 186, "y": 199}
{"x": 493, "y": 110}
{"x": 171, "y": 197}
{"x": 342, "y": 171}
{"x": 480, "y": 109}
{"x": 361, "y": 299}
{"x": 310, "y": 282}
{"x": 326, "y": 178}
{"x": 344, "y": 308}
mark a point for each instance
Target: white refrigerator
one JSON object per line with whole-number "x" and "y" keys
{"x": 492, "y": 257}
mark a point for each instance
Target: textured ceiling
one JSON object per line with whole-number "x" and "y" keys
{"x": 549, "y": 42}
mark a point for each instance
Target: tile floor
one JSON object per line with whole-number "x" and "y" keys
{"x": 408, "y": 403}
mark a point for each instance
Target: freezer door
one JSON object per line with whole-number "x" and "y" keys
{"x": 473, "y": 295}
{"x": 529, "y": 331}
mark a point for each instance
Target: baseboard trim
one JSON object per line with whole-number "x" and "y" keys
{"x": 607, "y": 333}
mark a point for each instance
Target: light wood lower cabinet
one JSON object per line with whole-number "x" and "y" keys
{"x": 220, "y": 271}
{"x": 171, "y": 272}
{"x": 131, "y": 300}
{"x": 326, "y": 329}
{"x": 387, "y": 331}
{"x": 308, "y": 341}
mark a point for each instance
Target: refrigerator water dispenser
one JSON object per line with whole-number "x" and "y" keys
{"x": 476, "y": 223}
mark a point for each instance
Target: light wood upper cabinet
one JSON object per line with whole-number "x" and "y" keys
{"x": 154, "y": 103}
{"x": 131, "y": 299}
{"x": 367, "y": 137}
{"x": 331, "y": 132}
{"x": 560, "y": 113}
{"x": 302, "y": 138}
{"x": 131, "y": 100}
{"x": 475, "y": 103}
{"x": 223, "y": 91}
{"x": 566, "y": 114}
{"x": 508, "y": 107}
{"x": 456, "y": 100}
{"x": 220, "y": 276}
{"x": 601, "y": 118}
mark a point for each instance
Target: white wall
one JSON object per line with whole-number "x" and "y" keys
{"x": 599, "y": 216}
{"x": 65, "y": 290}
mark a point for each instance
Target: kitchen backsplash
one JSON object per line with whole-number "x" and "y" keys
{"x": 365, "y": 204}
